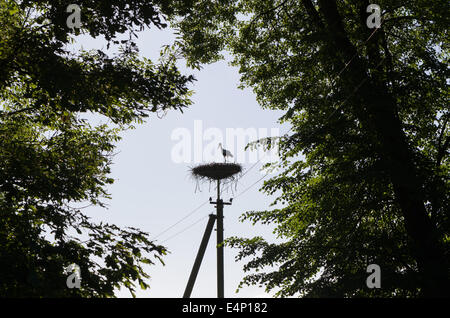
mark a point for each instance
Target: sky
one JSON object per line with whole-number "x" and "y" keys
{"x": 154, "y": 190}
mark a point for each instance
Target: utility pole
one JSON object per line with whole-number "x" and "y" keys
{"x": 220, "y": 268}
{"x": 220, "y": 271}
{"x": 217, "y": 172}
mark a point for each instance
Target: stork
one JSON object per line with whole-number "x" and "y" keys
{"x": 225, "y": 153}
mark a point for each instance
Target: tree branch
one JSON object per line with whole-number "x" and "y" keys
{"x": 314, "y": 15}
{"x": 2, "y": 113}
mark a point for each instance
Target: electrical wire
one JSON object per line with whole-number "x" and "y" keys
{"x": 185, "y": 229}
{"x": 238, "y": 195}
{"x": 179, "y": 221}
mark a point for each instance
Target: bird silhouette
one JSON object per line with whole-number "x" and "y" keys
{"x": 225, "y": 153}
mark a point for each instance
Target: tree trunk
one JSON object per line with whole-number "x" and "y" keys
{"x": 378, "y": 112}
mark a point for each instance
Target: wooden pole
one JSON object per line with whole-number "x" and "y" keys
{"x": 199, "y": 258}
{"x": 220, "y": 263}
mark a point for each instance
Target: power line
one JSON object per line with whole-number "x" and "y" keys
{"x": 185, "y": 229}
{"x": 353, "y": 57}
{"x": 181, "y": 220}
{"x": 238, "y": 195}
{"x": 245, "y": 172}
{"x": 248, "y": 188}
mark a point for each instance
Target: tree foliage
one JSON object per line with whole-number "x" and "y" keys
{"x": 53, "y": 160}
{"x": 365, "y": 168}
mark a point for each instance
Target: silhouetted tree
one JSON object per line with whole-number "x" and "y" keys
{"x": 52, "y": 160}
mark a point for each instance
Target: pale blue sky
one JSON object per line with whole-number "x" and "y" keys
{"x": 152, "y": 192}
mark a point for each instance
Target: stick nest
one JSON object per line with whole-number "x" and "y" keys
{"x": 216, "y": 171}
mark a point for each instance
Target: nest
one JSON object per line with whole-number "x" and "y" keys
{"x": 217, "y": 171}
